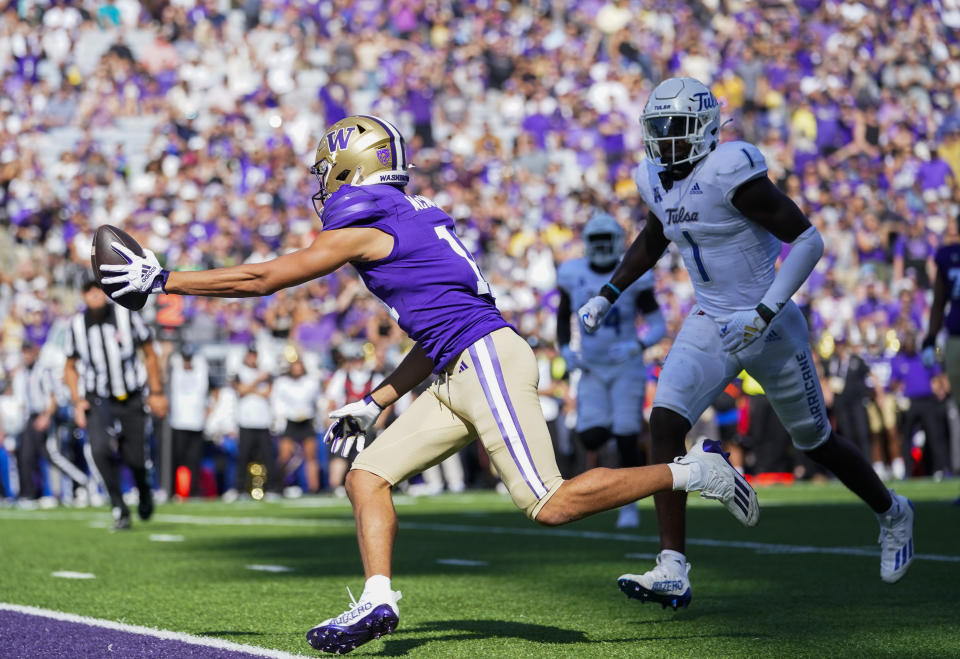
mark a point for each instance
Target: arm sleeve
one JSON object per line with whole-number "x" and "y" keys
{"x": 805, "y": 251}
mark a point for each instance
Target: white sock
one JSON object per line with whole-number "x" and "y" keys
{"x": 899, "y": 468}
{"x": 378, "y": 587}
{"x": 681, "y": 475}
{"x": 670, "y": 556}
{"x": 893, "y": 510}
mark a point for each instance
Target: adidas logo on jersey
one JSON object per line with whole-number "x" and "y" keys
{"x": 696, "y": 189}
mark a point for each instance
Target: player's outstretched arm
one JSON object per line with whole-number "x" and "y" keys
{"x": 327, "y": 253}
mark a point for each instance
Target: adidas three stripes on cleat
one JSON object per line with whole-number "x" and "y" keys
{"x": 715, "y": 478}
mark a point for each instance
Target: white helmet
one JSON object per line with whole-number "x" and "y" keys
{"x": 603, "y": 240}
{"x": 680, "y": 112}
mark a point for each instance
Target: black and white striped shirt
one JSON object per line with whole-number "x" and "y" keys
{"x": 34, "y": 388}
{"x": 107, "y": 347}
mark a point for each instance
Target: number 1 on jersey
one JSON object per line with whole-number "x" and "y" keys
{"x": 483, "y": 288}
{"x": 704, "y": 277}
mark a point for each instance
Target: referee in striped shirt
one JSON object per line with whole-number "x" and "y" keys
{"x": 107, "y": 393}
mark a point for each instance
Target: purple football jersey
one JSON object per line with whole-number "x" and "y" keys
{"x": 948, "y": 270}
{"x": 430, "y": 282}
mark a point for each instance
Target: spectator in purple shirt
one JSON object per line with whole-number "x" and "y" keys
{"x": 935, "y": 173}
{"x": 420, "y": 105}
{"x": 919, "y": 385}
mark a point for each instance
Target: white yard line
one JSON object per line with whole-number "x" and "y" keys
{"x": 480, "y": 529}
{"x": 165, "y": 537}
{"x": 149, "y": 631}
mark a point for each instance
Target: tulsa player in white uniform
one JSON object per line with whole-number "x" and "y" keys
{"x": 716, "y": 204}
{"x": 610, "y": 389}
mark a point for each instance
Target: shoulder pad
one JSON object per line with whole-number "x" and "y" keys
{"x": 351, "y": 206}
{"x": 736, "y": 158}
{"x": 731, "y": 165}
{"x": 648, "y": 183}
{"x": 567, "y": 273}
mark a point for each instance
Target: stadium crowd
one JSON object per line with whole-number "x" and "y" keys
{"x": 192, "y": 124}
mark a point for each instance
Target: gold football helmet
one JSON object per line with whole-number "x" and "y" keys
{"x": 359, "y": 150}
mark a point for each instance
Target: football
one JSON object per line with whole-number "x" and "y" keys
{"x": 101, "y": 253}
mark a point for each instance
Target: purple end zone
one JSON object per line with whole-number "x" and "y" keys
{"x": 24, "y": 635}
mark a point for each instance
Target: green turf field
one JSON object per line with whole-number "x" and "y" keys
{"x": 479, "y": 580}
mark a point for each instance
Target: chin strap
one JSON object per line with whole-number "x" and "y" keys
{"x": 672, "y": 173}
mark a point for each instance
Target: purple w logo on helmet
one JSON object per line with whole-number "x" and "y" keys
{"x": 339, "y": 139}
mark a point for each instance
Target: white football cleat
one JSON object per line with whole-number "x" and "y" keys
{"x": 896, "y": 539}
{"x": 668, "y": 583}
{"x": 715, "y": 478}
{"x": 362, "y": 622}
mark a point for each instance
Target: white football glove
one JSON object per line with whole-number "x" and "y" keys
{"x": 591, "y": 314}
{"x": 352, "y": 426}
{"x": 142, "y": 274}
{"x": 929, "y": 356}
{"x": 626, "y": 350}
{"x": 571, "y": 357}
{"x": 740, "y": 329}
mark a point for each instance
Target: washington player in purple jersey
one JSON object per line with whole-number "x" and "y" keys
{"x": 405, "y": 250}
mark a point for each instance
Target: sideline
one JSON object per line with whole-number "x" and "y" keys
{"x": 163, "y": 634}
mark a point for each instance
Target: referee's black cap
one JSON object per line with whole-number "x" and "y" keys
{"x": 88, "y": 281}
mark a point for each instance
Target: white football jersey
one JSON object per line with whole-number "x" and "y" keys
{"x": 731, "y": 260}
{"x": 581, "y": 283}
